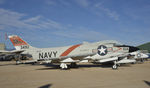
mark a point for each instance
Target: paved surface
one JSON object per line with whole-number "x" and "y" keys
{"x": 86, "y": 76}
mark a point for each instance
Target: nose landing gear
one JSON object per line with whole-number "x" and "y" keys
{"x": 115, "y": 66}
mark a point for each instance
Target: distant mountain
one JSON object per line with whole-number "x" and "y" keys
{"x": 145, "y": 46}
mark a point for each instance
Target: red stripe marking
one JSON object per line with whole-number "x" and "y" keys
{"x": 17, "y": 41}
{"x": 70, "y": 50}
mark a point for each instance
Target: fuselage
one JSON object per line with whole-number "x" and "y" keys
{"x": 87, "y": 49}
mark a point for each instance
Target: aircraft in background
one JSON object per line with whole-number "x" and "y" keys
{"x": 139, "y": 56}
{"x": 102, "y": 52}
{"x": 4, "y": 54}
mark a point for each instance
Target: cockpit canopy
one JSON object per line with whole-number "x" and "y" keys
{"x": 131, "y": 48}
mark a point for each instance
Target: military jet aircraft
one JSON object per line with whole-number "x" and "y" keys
{"x": 102, "y": 51}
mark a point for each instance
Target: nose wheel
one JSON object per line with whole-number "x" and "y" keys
{"x": 114, "y": 67}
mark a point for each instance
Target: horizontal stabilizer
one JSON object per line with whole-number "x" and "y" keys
{"x": 13, "y": 51}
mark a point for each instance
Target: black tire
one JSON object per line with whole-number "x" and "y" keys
{"x": 73, "y": 65}
{"x": 114, "y": 67}
{"x": 142, "y": 60}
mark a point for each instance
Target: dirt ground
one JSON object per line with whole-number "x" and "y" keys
{"x": 86, "y": 76}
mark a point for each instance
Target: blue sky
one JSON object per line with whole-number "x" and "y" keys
{"x": 49, "y": 23}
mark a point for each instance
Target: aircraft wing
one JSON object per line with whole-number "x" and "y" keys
{"x": 4, "y": 52}
{"x": 76, "y": 58}
{"x": 89, "y": 57}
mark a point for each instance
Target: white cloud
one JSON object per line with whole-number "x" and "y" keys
{"x": 138, "y": 13}
{"x": 83, "y": 3}
{"x": 14, "y": 20}
{"x": 107, "y": 11}
{"x": 64, "y": 2}
{"x": 98, "y": 9}
{"x": 50, "y": 2}
{"x": 42, "y": 22}
{"x": 11, "y": 19}
{"x": 33, "y": 19}
{"x": 82, "y": 34}
{"x": 57, "y": 2}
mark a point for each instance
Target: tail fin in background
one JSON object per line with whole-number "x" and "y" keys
{"x": 19, "y": 43}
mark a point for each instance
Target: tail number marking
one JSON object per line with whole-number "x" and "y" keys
{"x": 24, "y": 47}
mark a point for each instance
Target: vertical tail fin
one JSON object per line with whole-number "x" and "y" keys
{"x": 18, "y": 42}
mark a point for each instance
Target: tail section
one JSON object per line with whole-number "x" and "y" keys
{"x": 19, "y": 43}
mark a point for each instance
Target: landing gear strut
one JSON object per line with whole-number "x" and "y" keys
{"x": 115, "y": 65}
{"x": 142, "y": 60}
{"x": 63, "y": 66}
{"x": 18, "y": 59}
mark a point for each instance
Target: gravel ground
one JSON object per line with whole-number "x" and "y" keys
{"x": 86, "y": 76}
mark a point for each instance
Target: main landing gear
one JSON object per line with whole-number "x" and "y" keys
{"x": 18, "y": 59}
{"x": 63, "y": 66}
{"x": 142, "y": 60}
